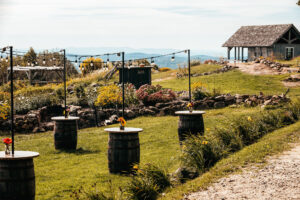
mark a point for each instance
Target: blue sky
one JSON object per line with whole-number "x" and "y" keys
{"x": 178, "y": 24}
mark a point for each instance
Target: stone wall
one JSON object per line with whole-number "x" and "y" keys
{"x": 40, "y": 120}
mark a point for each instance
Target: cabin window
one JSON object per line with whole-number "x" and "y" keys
{"x": 289, "y": 53}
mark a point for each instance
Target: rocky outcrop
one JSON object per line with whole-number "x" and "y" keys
{"x": 224, "y": 69}
{"x": 274, "y": 65}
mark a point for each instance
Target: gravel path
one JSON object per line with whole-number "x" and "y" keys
{"x": 279, "y": 179}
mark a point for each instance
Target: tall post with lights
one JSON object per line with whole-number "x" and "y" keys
{"x": 65, "y": 82}
{"x": 189, "y": 65}
{"x": 123, "y": 89}
{"x": 12, "y": 125}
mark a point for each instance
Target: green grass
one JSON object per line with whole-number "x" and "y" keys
{"x": 196, "y": 69}
{"x": 271, "y": 144}
{"x": 59, "y": 173}
{"x": 236, "y": 82}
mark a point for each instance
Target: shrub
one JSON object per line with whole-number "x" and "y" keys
{"x": 109, "y": 96}
{"x": 201, "y": 152}
{"x": 199, "y": 91}
{"x": 140, "y": 188}
{"x": 4, "y": 110}
{"x": 130, "y": 94}
{"x": 4, "y": 96}
{"x": 91, "y": 64}
{"x": 164, "y": 69}
{"x": 150, "y": 94}
{"x": 294, "y": 109}
{"x": 229, "y": 139}
{"x": 93, "y": 193}
{"x": 23, "y": 104}
{"x": 155, "y": 175}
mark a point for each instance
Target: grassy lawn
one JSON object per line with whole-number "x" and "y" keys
{"x": 236, "y": 82}
{"x": 59, "y": 173}
{"x": 196, "y": 69}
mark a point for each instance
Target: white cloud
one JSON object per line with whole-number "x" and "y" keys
{"x": 198, "y": 24}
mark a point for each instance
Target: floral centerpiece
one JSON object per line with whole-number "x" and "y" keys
{"x": 190, "y": 106}
{"x": 7, "y": 142}
{"x": 122, "y": 123}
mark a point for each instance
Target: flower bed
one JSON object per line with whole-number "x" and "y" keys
{"x": 150, "y": 94}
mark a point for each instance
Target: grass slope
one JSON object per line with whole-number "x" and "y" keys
{"x": 58, "y": 173}
{"x": 270, "y": 144}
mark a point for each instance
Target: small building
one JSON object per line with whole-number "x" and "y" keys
{"x": 281, "y": 41}
{"x": 136, "y": 75}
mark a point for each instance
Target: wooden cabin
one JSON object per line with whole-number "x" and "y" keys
{"x": 281, "y": 41}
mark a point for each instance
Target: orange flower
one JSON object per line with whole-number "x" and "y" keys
{"x": 122, "y": 121}
{"x": 7, "y": 141}
{"x": 190, "y": 105}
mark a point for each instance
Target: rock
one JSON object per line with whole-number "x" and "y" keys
{"x": 35, "y": 130}
{"x": 129, "y": 114}
{"x": 185, "y": 173}
{"x": 219, "y": 104}
{"x": 154, "y": 109}
{"x": 220, "y": 98}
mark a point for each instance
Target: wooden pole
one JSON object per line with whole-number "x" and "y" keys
{"x": 189, "y": 64}
{"x": 65, "y": 83}
{"x": 242, "y": 54}
{"x": 239, "y": 53}
{"x": 12, "y": 101}
{"x": 123, "y": 89}
{"x": 234, "y": 53}
{"x": 228, "y": 53}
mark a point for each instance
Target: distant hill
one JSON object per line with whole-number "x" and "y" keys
{"x": 162, "y": 61}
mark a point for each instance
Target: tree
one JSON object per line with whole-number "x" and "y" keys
{"x": 298, "y": 3}
{"x": 30, "y": 57}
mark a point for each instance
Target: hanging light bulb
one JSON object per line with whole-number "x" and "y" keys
{"x": 28, "y": 64}
{"x": 1, "y": 58}
{"x": 173, "y": 58}
{"x": 185, "y": 51}
{"x": 36, "y": 62}
{"x": 54, "y": 65}
{"x": 118, "y": 54}
{"x": 44, "y": 61}
{"x": 6, "y": 59}
{"x": 92, "y": 64}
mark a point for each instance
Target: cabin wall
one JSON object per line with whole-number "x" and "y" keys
{"x": 256, "y": 52}
{"x": 279, "y": 50}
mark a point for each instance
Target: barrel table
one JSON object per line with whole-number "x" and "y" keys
{"x": 65, "y": 132}
{"x": 123, "y": 149}
{"x": 190, "y": 123}
{"x": 17, "y": 179}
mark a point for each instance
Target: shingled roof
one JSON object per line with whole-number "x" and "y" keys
{"x": 257, "y": 36}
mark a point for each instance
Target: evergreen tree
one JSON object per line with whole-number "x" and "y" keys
{"x": 30, "y": 57}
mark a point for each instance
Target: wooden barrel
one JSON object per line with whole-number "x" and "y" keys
{"x": 123, "y": 150}
{"x": 17, "y": 179}
{"x": 190, "y": 124}
{"x": 65, "y": 133}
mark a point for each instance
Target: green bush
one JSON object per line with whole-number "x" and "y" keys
{"x": 201, "y": 152}
{"x": 149, "y": 181}
{"x": 140, "y": 188}
{"x": 233, "y": 142}
{"x": 155, "y": 175}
